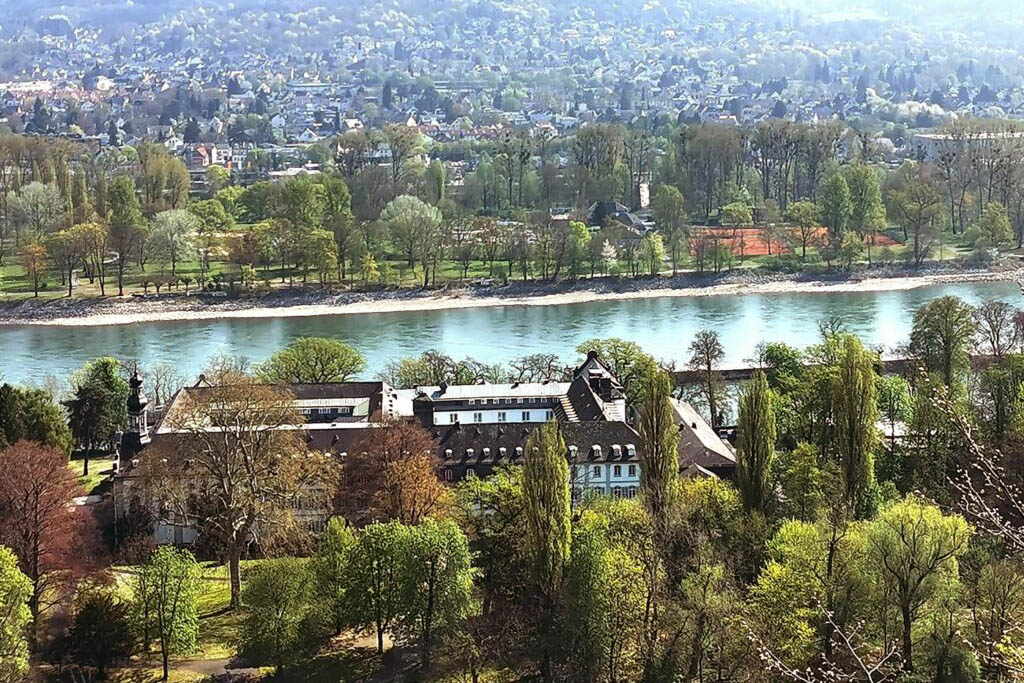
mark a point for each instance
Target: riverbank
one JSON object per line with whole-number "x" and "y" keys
{"x": 314, "y": 302}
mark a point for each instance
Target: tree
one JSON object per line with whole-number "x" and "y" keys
{"x": 126, "y": 224}
{"x": 805, "y": 215}
{"x": 992, "y": 229}
{"x": 15, "y": 617}
{"x": 653, "y": 250}
{"x": 312, "y": 360}
{"x": 918, "y": 208}
{"x": 706, "y": 353}
{"x": 237, "y": 451}
{"x": 67, "y": 251}
{"x": 39, "y": 522}
{"x": 173, "y": 236}
{"x": 102, "y": 631}
{"x": 166, "y": 591}
{"x": 867, "y": 211}
{"x": 836, "y": 205}
{"x": 915, "y": 549}
{"x": 669, "y": 210}
{"x": 941, "y": 337}
{"x": 412, "y": 225}
{"x": 375, "y": 579}
{"x": 36, "y": 210}
{"x": 93, "y": 417}
{"x": 547, "y": 508}
{"x": 32, "y": 415}
{"x": 277, "y": 594}
{"x": 659, "y": 453}
{"x": 33, "y": 260}
{"x": 625, "y": 360}
{"x": 997, "y": 326}
{"x": 755, "y": 454}
{"x": 393, "y": 475}
{"x": 855, "y": 407}
{"x": 736, "y": 214}
{"x": 893, "y": 404}
{"x": 95, "y": 239}
{"x": 438, "y": 581}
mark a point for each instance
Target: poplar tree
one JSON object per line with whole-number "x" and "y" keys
{"x": 856, "y": 412}
{"x": 757, "y": 434}
{"x": 547, "y": 507}
{"x": 659, "y": 452}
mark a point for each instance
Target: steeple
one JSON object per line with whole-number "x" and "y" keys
{"x": 136, "y": 436}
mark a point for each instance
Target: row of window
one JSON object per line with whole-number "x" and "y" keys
{"x": 525, "y": 416}
{"x": 325, "y": 411}
{"x": 616, "y": 470}
{"x": 499, "y": 401}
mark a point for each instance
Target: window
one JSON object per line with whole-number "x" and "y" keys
{"x": 526, "y": 416}
{"x": 533, "y": 400}
{"x": 471, "y": 401}
{"x": 447, "y": 475}
{"x": 631, "y": 492}
{"x": 596, "y": 470}
{"x": 305, "y": 411}
{"x": 453, "y": 418}
{"x": 632, "y": 470}
{"x": 617, "y": 471}
{"x": 630, "y": 450}
{"x": 617, "y": 491}
{"x": 502, "y": 416}
{"x": 478, "y": 417}
{"x": 519, "y": 400}
{"x": 548, "y": 415}
{"x": 326, "y": 411}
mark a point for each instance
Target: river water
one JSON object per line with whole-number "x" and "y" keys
{"x": 662, "y": 326}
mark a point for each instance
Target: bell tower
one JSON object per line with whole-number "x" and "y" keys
{"x": 136, "y": 436}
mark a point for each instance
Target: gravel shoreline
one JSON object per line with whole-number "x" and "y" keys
{"x": 316, "y": 302}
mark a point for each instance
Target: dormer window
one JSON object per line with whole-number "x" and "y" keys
{"x": 519, "y": 451}
{"x": 502, "y": 451}
{"x": 595, "y": 451}
{"x": 631, "y": 450}
{"x": 617, "y": 450}
{"x": 447, "y": 452}
{"x": 573, "y": 450}
{"x": 486, "y": 452}
{"x": 469, "y": 452}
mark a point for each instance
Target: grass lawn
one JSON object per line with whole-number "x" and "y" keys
{"x": 99, "y": 469}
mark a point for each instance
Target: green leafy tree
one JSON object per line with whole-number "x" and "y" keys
{"x": 172, "y": 236}
{"x": 92, "y": 416}
{"x": 801, "y": 482}
{"x": 669, "y": 208}
{"x": 548, "y": 527}
{"x": 914, "y": 549}
{"x": 101, "y": 632}
{"x": 941, "y": 337}
{"x": 653, "y": 251}
{"x": 413, "y": 226}
{"x": 32, "y": 415}
{"x": 736, "y": 214}
{"x": 836, "y": 205}
{"x": 755, "y": 454}
{"x": 167, "y": 590}
{"x": 805, "y": 216}
{"x": 127, "y": 232}
{"x": 992, "y": 229}
{"x": 374, "y": 591}
{"x": 438, "y": 581}
{"x": 312, "y": 360}
{"x": 894, "y": 404}
{"x": 854, "y": 401}
{"x": 277, "y": 594}
{"x": 330, "y": 571}
{"x": 15, "y": 618}
{"x": 659, "y": 452}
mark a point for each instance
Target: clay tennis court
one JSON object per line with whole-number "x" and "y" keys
{"x": 751, "y": 241}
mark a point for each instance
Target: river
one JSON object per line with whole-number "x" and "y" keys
{"x": 663, "y": 326}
